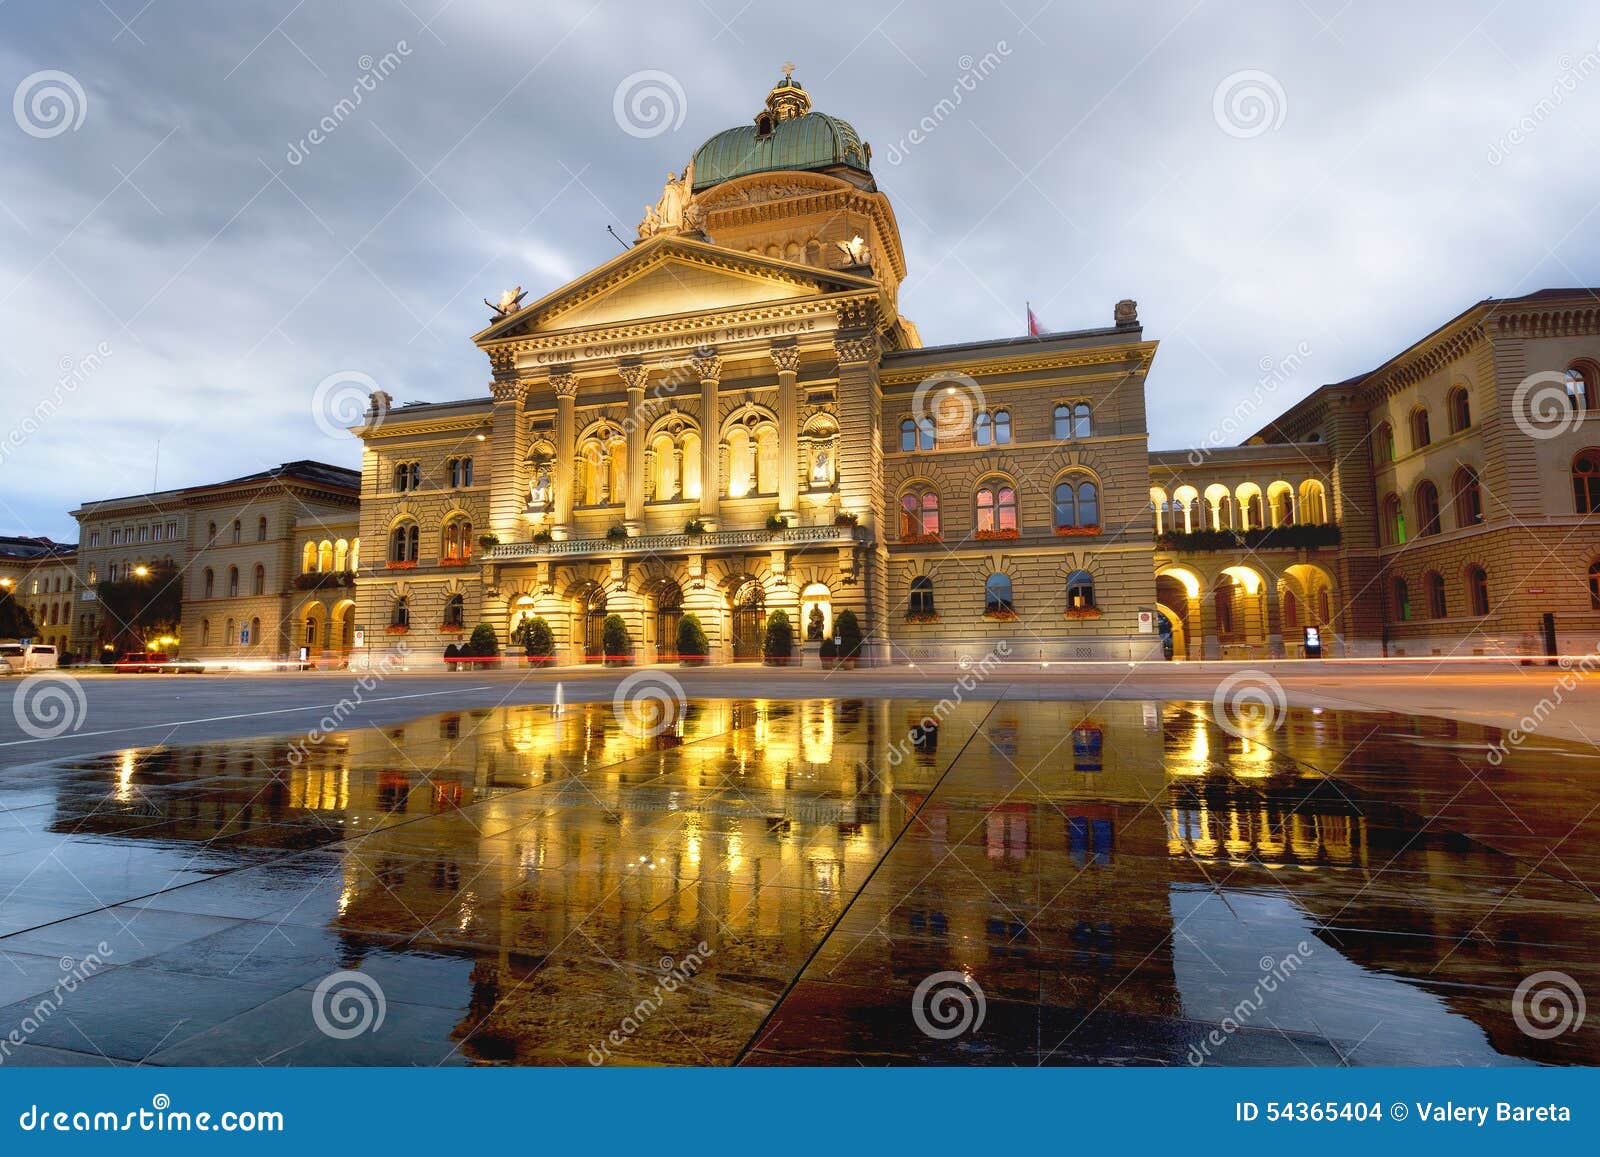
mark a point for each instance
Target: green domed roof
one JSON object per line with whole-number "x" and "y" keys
{"x": 786, "y": 136}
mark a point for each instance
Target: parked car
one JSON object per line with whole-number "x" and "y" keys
{"x": 28, "y": 656}
{"x": 157, "y": 662}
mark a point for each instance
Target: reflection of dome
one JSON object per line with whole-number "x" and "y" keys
{"x": 785, "y": 135}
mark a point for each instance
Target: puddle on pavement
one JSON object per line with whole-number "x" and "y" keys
{"x": 805, "y": 882}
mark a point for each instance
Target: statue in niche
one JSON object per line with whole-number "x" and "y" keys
{"x": 539, "y": 492}
{"x": 821, "y": 469}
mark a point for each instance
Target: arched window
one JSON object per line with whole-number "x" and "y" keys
{"x": 908, "y": 435}
{"x": 1383, "y": 443}
{"x": 1478, "y": 590}
{"x": 236, "y": 530}
{"x": 997, "y": 508}
{"x": 1076, "y": 502}
{"x": 1255, "y": 516}
{"x": 205, "y": 632}
{"x": 766, "y": 452}
{"x": 1438, "y": 607}
{"x": 1002, "y": 427}
{"x": 210, "y": 583}
{"x": 921, "y": 596}
{"x": 456, "y": 540}
{"x": 258, "y": 584}
{"x": 261, "y": 530}
{"x": 255, "y": 633}
{"x": 400, "y": 616}
{"x": 1594, "y": 585}
{"x": 1291, "y": 611}
{"x": 408, "y": 476}
{"x": 1080, "y": 591}
{"x": 1402, "y": 601}
{"x": 460, "y": 470}
{"x": 983, "y": 429}
{"x": 228, "y": 637}
{"x": 1427, "y": 508}
{"x": 403, "y": 543}
{"x": 211, "y": 533}
{"x": 1072, "y": 420}
{"x": 927, "y": 437}
{"x": 455, "y": 612}
{"x": 1324, "y": 607}
{"x": 1468, "y": 497}
{"x": 1420, "y": 435}
{"x": 1313, "y": 502}
{"x": 997, "y": 596}
{"x": 233, "y": 582}
{"x": 1580, "y": 386}
{"x": 919, "y": 514}
{"x": 1460, "y": 410}
{"x": 325, "y": 556}
{"x": 308, "y": 558}
{"x": 1586, "y": 482}
{"x": 1392, "y": 526}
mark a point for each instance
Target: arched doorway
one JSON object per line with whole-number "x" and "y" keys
{"x": 749, "y": 618}
{"x": 594, "y": 621}
{"x": 669, "y": 613}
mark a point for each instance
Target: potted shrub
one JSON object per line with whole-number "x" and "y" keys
{"x": 543, "y": 537}
{"x": 485, "y": 541}
{"x": 777, "y": 649}
{"x": 694, "y": 526}
{"x": 537, "y": 640}
{"x": 616, "y": 533}
{"x": 847, "y": 629}
{"x": 846, "y": 518}
{"x": 693, "y": 647}
{"x": 614, "y": 642}
{"x": 451, "y": 652}
{"x": 828, "y": 651}
{"x": 777, "y": 522}
{"x": 483, "y": 644}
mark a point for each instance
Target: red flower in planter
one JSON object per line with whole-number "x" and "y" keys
{"x": 993, "y": 534}
{"x": 1077, "y": 531}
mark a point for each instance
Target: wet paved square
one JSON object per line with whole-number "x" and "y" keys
{"x": 818, "y": 881}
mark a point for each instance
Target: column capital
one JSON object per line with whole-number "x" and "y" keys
{"x": 707, "y": 364}
{"x": 786, "y": 357}
{"x": 508, "y": 389}
{"x": 563, "y": 381}
{"x": 503, "y": 363}
{"x": 634, "y": 376}
{"x": 861, "y": 347}
{"x": 861, "y": 313}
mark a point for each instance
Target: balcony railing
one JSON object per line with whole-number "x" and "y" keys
{"x": 709, "y": 542}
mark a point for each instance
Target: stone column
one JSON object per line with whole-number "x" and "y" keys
{"x": 860, "y": 465}
{"x": 787, "y": 359}
{"x": 633, "y": 502}
{"x": 1210, "y": 641}
{"x": 708, "y": 368}
{"x": 1271, "y": 600}
{"x": 565, "y": 386}
{"x": 507, "y": 449}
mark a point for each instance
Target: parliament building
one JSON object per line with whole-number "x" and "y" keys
{"x": 733, "y": 417}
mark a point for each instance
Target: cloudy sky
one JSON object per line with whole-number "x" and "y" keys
{"x": 1319, "y": 181}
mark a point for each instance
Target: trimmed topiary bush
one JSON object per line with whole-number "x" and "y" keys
{"x": 451, "y": 653}
{"x": 614, "y": 641}
{"x": 537, "y": 640}
{"x": 693, "y": 646}
{"x": 483, "y": 644}
{"x": 848, "y": 630}
{"x": 778, "y": 647}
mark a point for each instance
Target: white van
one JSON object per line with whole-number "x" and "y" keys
{"x": 20, "y": 657}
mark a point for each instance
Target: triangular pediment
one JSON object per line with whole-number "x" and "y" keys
{"x": 671, "y": 275}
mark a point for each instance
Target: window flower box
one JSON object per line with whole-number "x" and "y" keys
{"x": 1083, "y": 612}
{"x": 1000, "y": 616}
{"x": 846, "y": 518}
{"x": 920, "y": 539}
{"x": 397, "y": 630}
{"x": 455, "y": 561}
{"x": 922, "y": 616}
{"x": 1077, "y": 531}
{"x": 412, "y": 565}
{"x": 988, "y": 535}
{"x": 451, "y": 629}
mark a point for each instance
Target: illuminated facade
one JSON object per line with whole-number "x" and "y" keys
{"x": 39, "y": 574}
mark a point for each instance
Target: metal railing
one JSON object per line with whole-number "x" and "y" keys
{"x": 681, "y": 543}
